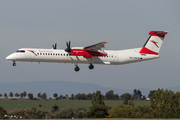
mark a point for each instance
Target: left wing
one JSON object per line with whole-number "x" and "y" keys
{"x": 95, "y": 47}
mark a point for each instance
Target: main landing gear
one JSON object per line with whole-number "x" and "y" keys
{"x": 77, "y": 68}
{"x": 14, "y": 63}
{"x": 91, "y": 66}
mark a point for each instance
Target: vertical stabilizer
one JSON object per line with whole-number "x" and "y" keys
{"x": 154, "y": 42}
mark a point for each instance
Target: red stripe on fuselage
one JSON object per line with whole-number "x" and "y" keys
{"x": 86, "y": 53}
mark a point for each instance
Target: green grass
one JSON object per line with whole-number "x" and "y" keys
{"x": 47, "y": 104}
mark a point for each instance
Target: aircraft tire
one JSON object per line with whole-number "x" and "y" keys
{"x": 76, "y": 69}
{"x": 91, "y": 66}
{"x": 14, "y": 64}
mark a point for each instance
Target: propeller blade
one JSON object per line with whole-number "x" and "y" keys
{"x": 55, "y": 46}
{"x": 69, "y": 44}
{"x": 68, "y": 49}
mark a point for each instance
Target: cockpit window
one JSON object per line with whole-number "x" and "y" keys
{"x": 21, "y": 51}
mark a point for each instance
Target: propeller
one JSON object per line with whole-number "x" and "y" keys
{"x": 68, "y": 49}
{"x": 55, "y": 46}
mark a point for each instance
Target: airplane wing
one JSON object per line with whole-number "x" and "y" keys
{"x": 95, "y": 47}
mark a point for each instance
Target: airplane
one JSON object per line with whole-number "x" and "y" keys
{"x": 92, "y": 54}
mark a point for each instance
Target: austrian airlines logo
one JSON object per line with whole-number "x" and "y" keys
{"x": 154, "y": 43}
{"x": 32, "y": 52}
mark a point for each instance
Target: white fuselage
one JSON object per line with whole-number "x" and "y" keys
{"x": 60, "y": 56}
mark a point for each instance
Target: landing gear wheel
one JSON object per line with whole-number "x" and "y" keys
{"x": 14, "y": 64}
{"x": 91, "y": 66}
{"x": 76, "y": 68}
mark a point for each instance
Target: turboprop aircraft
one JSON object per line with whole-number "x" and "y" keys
{"x": 92, "y": 54}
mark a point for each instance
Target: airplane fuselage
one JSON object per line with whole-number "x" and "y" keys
{"x": 60, "y": 56}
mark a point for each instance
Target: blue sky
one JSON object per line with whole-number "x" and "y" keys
{"x": 123, "y": 24}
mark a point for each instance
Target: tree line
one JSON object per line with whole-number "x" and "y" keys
{"x": 137, "y": 95}
{"x": 163, "y": 104}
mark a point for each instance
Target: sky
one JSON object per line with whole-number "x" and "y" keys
{"x": 123, "y": 24}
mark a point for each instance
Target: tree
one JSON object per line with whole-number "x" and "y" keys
{"x": 135, "y": 94}
{"x": 39, "y": 95}
{"x": 72, "y": 96}
{"x": 151, "y": 93}
{"x": 110, "y": 95}
{"x": 44, "y": 96}
{"x": 89, "y": 96}
{"x": 1, "y": 95}
{"x": 11, "y": 94}
{"x": 116, "y": 97}
{"x": 165, "y": 104}
{"x": 61, "y": 97}
{"x": 66, "y": 96}
{"x": 5, "y": 95}
{"x": 55, "y": 95}
{"x": 30, "y": 95}
{"x": 16, "y": 95}
{"x": 123, "y": 95}
{"x": 139, "y": 95}
{"x": 97, "y": 98}
{"x": 125, "y": 99}
{"x": 24, "y": 94}
{"x": 131, "y": 99}
{"x": 80, "y": 96}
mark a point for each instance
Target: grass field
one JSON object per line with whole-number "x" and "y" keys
{"x": 10, "y": 105}
{"x": 108, "y": 119}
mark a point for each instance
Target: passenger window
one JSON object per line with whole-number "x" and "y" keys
{"x": 37, "y": 53}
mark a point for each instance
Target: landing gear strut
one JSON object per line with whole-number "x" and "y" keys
{"x": 76, "y": 68}
{"x": 14, "y": 63}
{"x": 91, "y": 66}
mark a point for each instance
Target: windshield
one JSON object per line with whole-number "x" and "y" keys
{"x": 21, "y": 51}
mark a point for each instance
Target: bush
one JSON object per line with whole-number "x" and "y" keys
{"x": 70, "y": 112}
{"x": 122, "y": 111}
{"x": 32, "y": 113}
{"x": 2, "y": 113}
{"x": 98, "y": 111}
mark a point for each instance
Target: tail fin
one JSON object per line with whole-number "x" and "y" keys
{"x": 154, "y": 42}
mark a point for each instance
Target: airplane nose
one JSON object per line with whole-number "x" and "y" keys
{"x": 10, "y": 57}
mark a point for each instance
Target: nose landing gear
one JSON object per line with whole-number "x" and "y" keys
{"x": 14, "y": 63}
